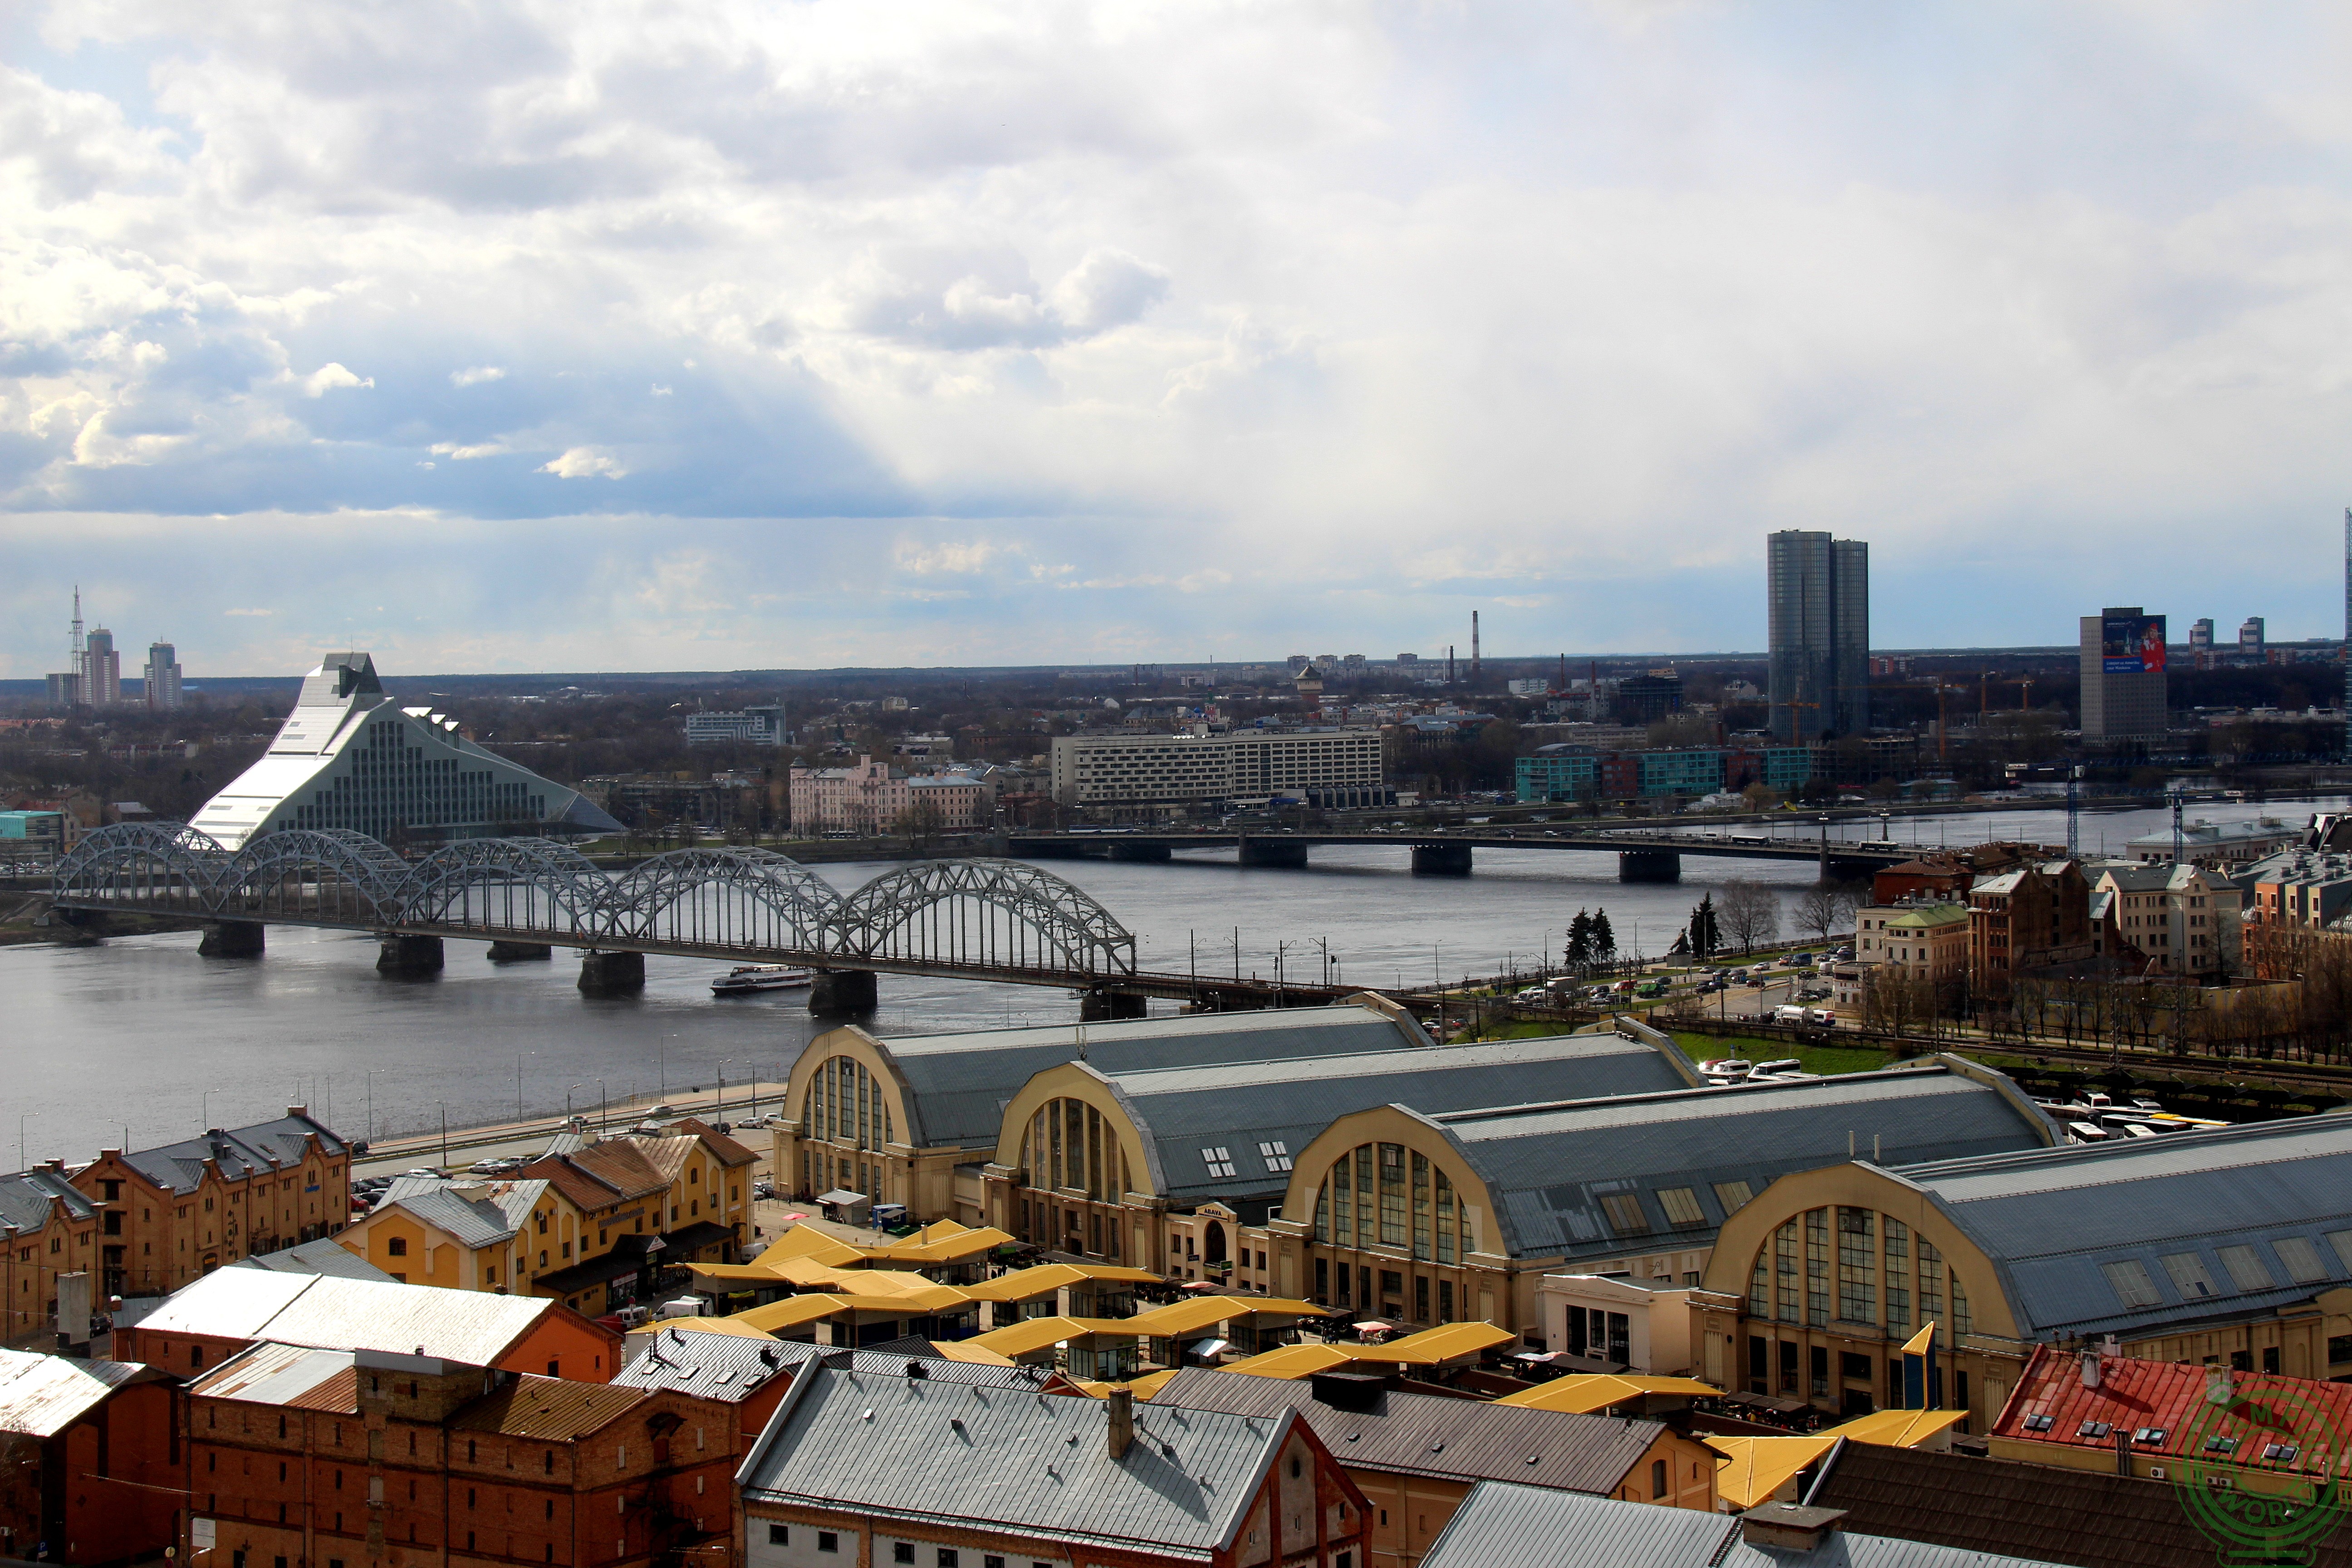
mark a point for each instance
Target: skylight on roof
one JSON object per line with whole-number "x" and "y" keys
{"x": 2247, "y": 1270}
{"x": 1277, "y": 1154}
{"x": 1625, "y": 1215}
{"x": 1681, "y": 1204}
{"x": 2132, "y": 1285}
{"x": 1220, "y": 1161}
{"x": 2188, "y": 1275}
{"x": 2301, "y": 1259}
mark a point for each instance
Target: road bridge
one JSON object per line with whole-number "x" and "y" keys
{"x": 1643, "y": 856}
{"x": 993, "y": 919}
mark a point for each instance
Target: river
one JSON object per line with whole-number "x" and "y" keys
{"x": 140, "y": 1039}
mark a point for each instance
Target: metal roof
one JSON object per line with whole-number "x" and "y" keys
{"x": 1504, "y": 1525}
{"x": 960, "y": 1084}
{"x": 1425, "y": 1435}
{"x": 1038, "y": 1464}
{"x": 273, "y": 1373}
{"x": 240, "y": 1151}
{"x": 1263, "y": 1114}
{"x": 26, "y": 1197}
{"x": 549, "y": 1407}
{"x": 1550, "y": 1167}
{"x": 478, "y": 1214}
{"x": 41, "y": 1396}
{"x": 2148, "y": 1397}
{"x": 474, "y": 1327}
{"x": 711, "y": 1366}
{"x": 324, "y": 1255}
{"x": 2096, "y": 1239}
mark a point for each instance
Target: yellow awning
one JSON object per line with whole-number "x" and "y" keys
{"x": 1027, "y": 1284}
{"x": 1033, "y": 1334}
{"x": 1431, "y": 1346}
{"x": 1898, "y": 1428}
{"x": 814, "y": 1272}
{"x": 1917, "y": 1344}
{"x": 807, "y": 1241}
{"x": 1201, "y": 1311}
{"x": 1753, "y": 1468}
{"x": 1583, "y": 1396}
{"x": 1293, "y": 1360}
{"x": 1143, "y": 1387}
{"x": 964, "y": 1350}
{"x": 790, "y": 1312}
{"x": 947, "y": 1247}
{"x": 749, "y": 1273}
{"x": 705, "y": 1326}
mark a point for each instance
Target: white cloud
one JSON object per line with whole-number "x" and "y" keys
{"x": 249, "y": 612}
{"x": 319, "y": 382}
{"x": 1553, "y": 309}
{"x": 585, "y": 462}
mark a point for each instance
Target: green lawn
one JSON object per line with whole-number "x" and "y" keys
{"x": 1827, "y": 1061}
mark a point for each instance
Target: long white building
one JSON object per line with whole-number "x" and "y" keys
{"x": 1245, "y": 766}
{"x": 347, "y": 758}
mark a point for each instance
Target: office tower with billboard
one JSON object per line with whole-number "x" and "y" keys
{"x": 1818, "y": 605}
{"x": 2123, "y": 675}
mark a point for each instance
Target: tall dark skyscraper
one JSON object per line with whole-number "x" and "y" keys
{"x": 2347, "y": 632}
{"x": 1818, "y": 589}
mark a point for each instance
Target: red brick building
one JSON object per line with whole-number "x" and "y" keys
{"x": 176, "y": 1213}
{"x": 336, "y": 1458}
{"x": 90, "y": 1459}
{"x": 228, "y": 1311}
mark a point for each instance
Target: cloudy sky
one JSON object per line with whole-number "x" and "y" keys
{"x": 520, "y": 334}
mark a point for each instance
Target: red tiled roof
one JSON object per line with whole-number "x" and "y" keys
{"x": 2157, "y": 1397}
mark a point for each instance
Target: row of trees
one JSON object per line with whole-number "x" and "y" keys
{"x": 1749, "y": 917}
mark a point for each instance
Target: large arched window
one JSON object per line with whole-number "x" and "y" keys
{"x": 1069, "y": 1144}
{"x": 846, "y": 1105}
{"x": 1856, "y": 1265}
{"x": 1390, "y": 1195}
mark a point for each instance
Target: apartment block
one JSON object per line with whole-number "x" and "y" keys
{"x": 1252, "y": 765}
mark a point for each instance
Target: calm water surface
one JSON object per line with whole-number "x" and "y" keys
{"x": 141, "y": 1039}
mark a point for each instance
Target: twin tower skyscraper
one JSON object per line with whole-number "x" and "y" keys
{"x": 1818, "y": 590}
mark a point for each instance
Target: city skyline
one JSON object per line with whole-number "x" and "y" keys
{"x": 1015, "y": 337}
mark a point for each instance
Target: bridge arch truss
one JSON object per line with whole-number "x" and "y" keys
{"x": 972, "y": 915}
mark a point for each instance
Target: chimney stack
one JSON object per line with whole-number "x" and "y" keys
{"x": 2090, "y": 1369}
{"x": 1789, "y": 1527}
{"x": 1121, "y": 1402}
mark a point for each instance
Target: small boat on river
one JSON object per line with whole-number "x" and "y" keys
{"x": 753, "y": 977}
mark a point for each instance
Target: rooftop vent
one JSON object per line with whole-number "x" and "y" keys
{"x": 1789, "y": 1527}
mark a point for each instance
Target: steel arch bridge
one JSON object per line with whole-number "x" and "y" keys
{"x": 997, "y": 920}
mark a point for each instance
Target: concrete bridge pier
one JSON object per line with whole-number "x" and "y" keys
{"x": 610, "y": 973}
{"x": 839, "y": 991}
{"x": 1146, "y": 853}
{"x": 1274, "y": 852}
{"x": 408, "y": 956}
{"x": 1649, "y": 866}
{"x": 1440, "y": 859}
{"x": 512, "y": 952}
{"x": 231, "y": 939}
{"x": 1102, "y": 1006}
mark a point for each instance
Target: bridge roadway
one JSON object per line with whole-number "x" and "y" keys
{"x": 1641, "y": 857}
{"x": 978, "y": 919}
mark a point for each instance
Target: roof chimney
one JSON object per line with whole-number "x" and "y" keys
{"x": 2090, "y": 1369}
{"x": 1789, "y": 1526}
{"x": 1121, "y": 1402}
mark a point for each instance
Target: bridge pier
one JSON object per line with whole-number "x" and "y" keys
{"x": 1147, "y": 854}
{"x": 1836, "y": 869}
{"x": 1649, "y": 866}
{"x": 839, "y": 991}
{"x": 1102, "y": 1006}
{"x": 604, "y": 974}
{"x": 510, "y": 952}
{"x": 408, "y": 956}
{"x": 1274, "y": 852}
{"x": 231, "y": 939}
{"x": 1440, "y": 859}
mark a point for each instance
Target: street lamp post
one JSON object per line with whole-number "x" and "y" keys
{"x": 723, "y": 1065}
{"x": 445, "y": 1132}
{"x": 567, "y": 1100}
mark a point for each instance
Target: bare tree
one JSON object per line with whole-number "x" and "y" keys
{"x": 1823, "y": 911}
{"x": 1749, "y": 913}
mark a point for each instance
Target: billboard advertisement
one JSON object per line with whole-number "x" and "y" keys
{"x": 2132, "y": 644}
